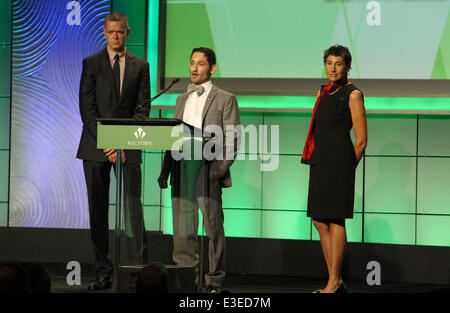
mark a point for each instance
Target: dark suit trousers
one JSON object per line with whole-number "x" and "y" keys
{"x": 97, "y": 176}
{"x": 190, "y": 191}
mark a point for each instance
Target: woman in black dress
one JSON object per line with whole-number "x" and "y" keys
{"x": 333, "y": 159}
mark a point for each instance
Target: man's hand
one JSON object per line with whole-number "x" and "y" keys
{"x": 214, "y": 172}
{"x": 162, "y": 181}
{"x": 111, "y": 154}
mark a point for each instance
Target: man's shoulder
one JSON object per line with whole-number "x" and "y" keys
{"x": 96, "y": 55}
{"x": 94, "y": 58}
{"x": 101, "y": 54}
{"x": 222, "y": 93}
{"x": 183, "y": 95}
{"x": 137, "y": 59}
{"x": 218, "y": 92}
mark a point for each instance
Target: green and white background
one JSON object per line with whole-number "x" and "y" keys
{"x": 402, "y": 187}
{"x": 403, "y": 181}
{"x": 389, "y": 39}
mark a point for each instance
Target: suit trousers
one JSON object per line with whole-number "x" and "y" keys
{"x": 191, "y": 190}
{"x": 97, "y": 176}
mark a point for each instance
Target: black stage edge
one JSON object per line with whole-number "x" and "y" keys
{"x": 251, "y": 256}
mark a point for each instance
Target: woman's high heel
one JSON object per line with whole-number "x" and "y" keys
{"x": 341, "y": 289}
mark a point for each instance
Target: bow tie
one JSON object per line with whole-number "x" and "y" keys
{"x": 200, "y": 89}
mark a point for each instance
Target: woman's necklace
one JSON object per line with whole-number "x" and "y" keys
{"x": 337, "y": 89}
{"x": 332, "y": 93}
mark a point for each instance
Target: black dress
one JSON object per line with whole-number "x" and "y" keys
{"x": 333, "y": 162}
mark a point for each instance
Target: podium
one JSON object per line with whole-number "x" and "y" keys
{"x": 149, "y": 134}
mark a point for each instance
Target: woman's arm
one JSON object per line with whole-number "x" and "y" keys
{"x": 359, "y": 121}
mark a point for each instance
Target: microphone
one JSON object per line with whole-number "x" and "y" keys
{"x": 147, "y": 103}
{"x": 176, "y": 80}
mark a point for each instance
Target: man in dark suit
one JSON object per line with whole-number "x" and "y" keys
{"x": 196, "y": 183}
{"x": 114, "y": 84}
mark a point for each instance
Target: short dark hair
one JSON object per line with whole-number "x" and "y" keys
{"x": 13, "y": 279}
{"x": 117, "y": 17}
{"x": 152, "y": 278}
{"x": 210, "y": 55}
{"x": 339, "y": 51}
{"x": 38, "y": 278}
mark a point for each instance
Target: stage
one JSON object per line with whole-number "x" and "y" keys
{"x": 254, "y": 284}
{"x": 399, "y": 233}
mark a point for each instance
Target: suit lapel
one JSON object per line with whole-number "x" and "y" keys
{"x": 129, "y": 68}
{"x": 209, "y": 100}
{"x": 179, "y": 110}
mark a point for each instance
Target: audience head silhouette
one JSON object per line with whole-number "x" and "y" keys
{"x": 13, "y": 279}
{"x": 22, "y": 277}
{"x": 38, "y": 278}
{"x": 152, "y": 278}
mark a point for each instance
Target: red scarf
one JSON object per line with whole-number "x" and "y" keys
{"x": 309, "y": 145}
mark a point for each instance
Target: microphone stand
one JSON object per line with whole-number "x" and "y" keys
{"x": 147, "y": 103}
{"x": 176, "y": 80}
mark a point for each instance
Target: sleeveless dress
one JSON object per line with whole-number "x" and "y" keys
{"x": 333, "y": 161}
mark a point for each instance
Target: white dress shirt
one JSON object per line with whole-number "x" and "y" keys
{"x": 193, "y": 108}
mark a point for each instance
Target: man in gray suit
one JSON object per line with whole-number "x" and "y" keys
{"x": 205, "y": 107}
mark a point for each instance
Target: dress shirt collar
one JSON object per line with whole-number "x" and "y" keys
{"x": 207, "y": 85}
{"x": 112, "y": 54}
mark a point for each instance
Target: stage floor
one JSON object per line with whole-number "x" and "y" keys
{"x": 245, "y": 283}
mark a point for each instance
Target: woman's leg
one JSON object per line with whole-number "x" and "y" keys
{"x": 325, "y": 241}
{"x": 338, "y": 240}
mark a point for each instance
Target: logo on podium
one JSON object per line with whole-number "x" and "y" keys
{"x": 140, "y": 133}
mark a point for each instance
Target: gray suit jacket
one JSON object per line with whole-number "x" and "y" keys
{"x": 221, "y": 109}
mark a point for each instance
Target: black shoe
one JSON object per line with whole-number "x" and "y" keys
{"x": 211, "y": 289}
{"x": 101, "y": 283}
{"x": 341, "y": 289}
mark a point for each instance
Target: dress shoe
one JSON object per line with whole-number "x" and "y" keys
{"x": 341, "y": 289}
{"x": 211, "y": 289}
{"x": 101, "y": 283}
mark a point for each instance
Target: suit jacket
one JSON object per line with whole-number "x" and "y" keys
{"x": 221, "y": 109}
{"x": 98, "y": 99}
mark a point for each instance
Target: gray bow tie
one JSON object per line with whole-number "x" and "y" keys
{"x": 200, "y": 89}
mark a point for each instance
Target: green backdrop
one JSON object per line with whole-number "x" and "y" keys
{"x": 401, "y": 187}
